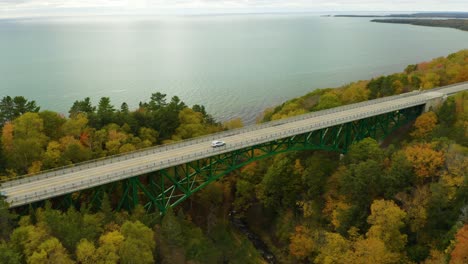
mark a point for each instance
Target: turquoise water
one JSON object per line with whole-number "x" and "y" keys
{"x": 235, "y": 65}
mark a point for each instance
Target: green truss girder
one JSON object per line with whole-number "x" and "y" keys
{"x": 169, "y": 187}
{"x": 166, "y": 188}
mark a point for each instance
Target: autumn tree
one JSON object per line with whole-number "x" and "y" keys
{"x": 371, "y": 251}
{"x": 355, "y": 93}
{"x": 51, "y": 250}
{"x": 138, "y": 245}
{"x": 425, "y": 160}
{"x": 302, "y": 243}
{"x": 28, "y": 142}
{"x": 333, "y": 250}
{"x": 386, "y": 220}
{"x": 191, "y": 125}
{"x": 75, "y": 125}
{"x": 52, "y": 156}
{"x": 459, "y": 254}
{"x": 328, "y": 100}
{"x": 109, "y": 247}
{"x": 424, "y": 125}
{"x": 85, "y": 252}
{"x": 7, "y": 137}
{"x": 289, "y": 109}
{"x": 72, "y": 226}
{"x": 233, "y": 123}
{"x": 38, "y": 246}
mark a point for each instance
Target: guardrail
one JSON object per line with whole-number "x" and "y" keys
{"x": 153, "y": 166}
{"x": 153, "y": 150}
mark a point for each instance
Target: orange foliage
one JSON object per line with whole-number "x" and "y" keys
{"x": 424, "y": 125}
{"x": 425, "y": 160}
{"x": 7, "y": 136}
{"x": 84, "y": 139}
{"x": 460, "y": 252}
{"x": 249, "y": 169}
{"x": 423, "y": 66}
{"x": 301, "y": 245}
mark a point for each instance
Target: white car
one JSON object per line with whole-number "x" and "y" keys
{"x": 217, "y": 143}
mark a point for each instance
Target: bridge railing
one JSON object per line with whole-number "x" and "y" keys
{"x": 152, "y": 166}
{"x": 161, "y": 148}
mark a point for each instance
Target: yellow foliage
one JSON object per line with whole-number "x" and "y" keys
{"x": 430, "y": 80}
{"x": 75, "y": 125}
{"x": 86, "y": 252}
{"x": 435, "y": 257}
{"x": 114, "y": 238}
{"x": 66, "y": 141}
{"x": 371, "y": 251}
{"x": 290, "y": 109}
{"x": 451, "y": 184}
{"x": 386, "y": 219}
{"x": 424, "y": 159}
{"x": 110, "y": 244}
{"x": 127, "y": 148}
{"x": 50, "y": 251}
{"x": 114, "y": 135}
{"x": 233, "y": 123}
{"x": 355, "y": 92}
{"x": 332, "y": 196}
{"x": 397, "y": 87}
{"x": 334, "y": 250}
{"x": 340, "y": 208}
{"x": 298, "y": 168}
{"x": 302, "y": 245}
{"x": 35, "y": 167}
{"x": 424, "y": 125}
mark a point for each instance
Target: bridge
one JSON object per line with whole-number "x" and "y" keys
{"x": 164, "y": 176}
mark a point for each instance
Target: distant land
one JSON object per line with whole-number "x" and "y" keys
{"x": 457, "y": 20}
{"x": 461, "y": 24}
{"x": 417, "y": 15}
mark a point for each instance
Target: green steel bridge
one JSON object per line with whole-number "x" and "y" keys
{"x": 164, "y": 176}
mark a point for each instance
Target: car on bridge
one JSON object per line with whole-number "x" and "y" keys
{"x": 217, "y": 143}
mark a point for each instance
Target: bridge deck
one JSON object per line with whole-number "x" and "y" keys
{"x": 91, "y": 174}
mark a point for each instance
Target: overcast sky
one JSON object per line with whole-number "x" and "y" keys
{"x": 18, "y": 8}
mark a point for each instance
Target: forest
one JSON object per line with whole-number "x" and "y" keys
{"x": 461, "y": 24}
{"x": 403, "y": 200}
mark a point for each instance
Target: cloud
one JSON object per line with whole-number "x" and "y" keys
{"x": 10, "y": 8}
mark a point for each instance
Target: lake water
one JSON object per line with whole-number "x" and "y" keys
{"x": 235, "y": 65}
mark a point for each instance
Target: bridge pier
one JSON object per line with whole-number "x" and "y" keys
{"x": 436, "y": 102}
